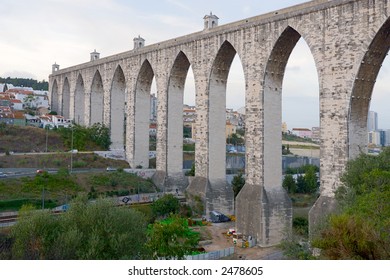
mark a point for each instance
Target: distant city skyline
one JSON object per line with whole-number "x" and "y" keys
{"x": 36, "y": 34}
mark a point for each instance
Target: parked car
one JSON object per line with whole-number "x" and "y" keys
{"x": 2, "y": 175}
{"x": 40, "y": 171}
{"x": 218, "y": 217}
{"x": 110, "y": 168}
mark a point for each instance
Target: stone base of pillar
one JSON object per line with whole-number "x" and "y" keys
{"x": 204, "y": 196}
{"x": 176, "y": 183}
{"x": 158, "y": 179}
{"x": 264, "y": 214}
{"x": 170, "y": 183}
{"x": 278, "y": 213}
{"x": 196, "y": 195}
{"x": 219, "y": 197}
{"x": 318, "y": 214}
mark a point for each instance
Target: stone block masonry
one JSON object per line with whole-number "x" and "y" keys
{"x": 348, "y": 40}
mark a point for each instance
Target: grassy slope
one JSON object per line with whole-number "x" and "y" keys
{"x": 59, "y": 188}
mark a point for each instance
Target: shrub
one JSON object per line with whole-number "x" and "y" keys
{"x": 88, "y": 231}
{"x": 301, "y": 226}
{"x": 168, "y": 204}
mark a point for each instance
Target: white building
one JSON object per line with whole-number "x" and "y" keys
{"x": 372, "y": 121}
{"x": 374, "y": 138}
{"x": 17, "y": 105}
{"x": 387, "y": 138}
{"x": 302, "y": 132}
{"x": 40, "y": 99}
{"x": 55, "y": 121}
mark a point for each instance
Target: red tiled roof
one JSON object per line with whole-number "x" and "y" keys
{"x": 22, "y": 91}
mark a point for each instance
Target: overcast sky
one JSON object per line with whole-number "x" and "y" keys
{"x": 35, "y": 34}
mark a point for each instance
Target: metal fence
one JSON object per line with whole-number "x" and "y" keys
{"x": 216, "y": 255}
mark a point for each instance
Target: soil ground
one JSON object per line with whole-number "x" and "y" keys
{"x": 216, "y": 239}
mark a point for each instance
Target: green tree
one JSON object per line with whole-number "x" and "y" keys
{"x": 238, "y": 183}
{"x": 187, "y": 132}
{"x": 235, "y": 139}
{"x": 87, "y": 231}
{"x": 171, "y": 238}
{"x": 192, "y": 171}
{"x": 289, "y": 183}
{"x": 100, "y": 134}
{"x": 311, "y": 181}
{"x": 168, "y": 204}
{"x": 301, "y": 188}
{"x": 240, "y": 132}
{"x": 35, "y": 234}
{"x": 361, "y": 230}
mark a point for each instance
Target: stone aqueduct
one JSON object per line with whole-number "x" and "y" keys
{"x": 348, "y": 40}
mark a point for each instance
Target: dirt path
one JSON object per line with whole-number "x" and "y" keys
{"x": 217, "y": 240}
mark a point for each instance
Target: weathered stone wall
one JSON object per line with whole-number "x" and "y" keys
{"x": 348, "y": 41}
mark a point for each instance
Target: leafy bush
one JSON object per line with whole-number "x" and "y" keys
{"x": 362, "y": 229}
{"x": 192, "y": 171}
{"x": 87, "y": 231}
{"x": 168, "y": 204}
{"x": 294, "y": 250}
{"x": 171, "y": 238}
{"x": 301, "y": 226}
{"x": 238, "y": 183}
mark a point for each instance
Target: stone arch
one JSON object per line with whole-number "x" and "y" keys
{"x": 142, "y": 115}
{"x": 176, "y": 83}
{"x": 79, "y": 101}
{"x": 363, "y": 87}
{"x": 97, "y": 99}
{"x": 118, "y": 110}
{"x": 65, "y": 110}
{"x": 54, "y": 97}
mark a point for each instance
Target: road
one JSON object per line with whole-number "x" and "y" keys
{"x": 28, "y": 172}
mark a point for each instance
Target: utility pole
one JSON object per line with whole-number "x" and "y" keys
{"x": 47, "y": 131}
{"x": 71, "y": 153}
{"x": 43, "y": 197}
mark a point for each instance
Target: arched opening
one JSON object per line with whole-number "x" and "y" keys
{"x": 378, "y": 123}
{"x": 288, "y": 72}
{"x": 363, "y": 91}
{"x": 79, "y": 101}
{"x": 189, "y": 121}
{"x": 142, "y": 115}
{"x": 176, "y": 122}
{"x": 291, "y": 70}
{"x": 217, "y": 111}
{"x": 54, "y": 97}
{"x": 300, "y": 94}
{"x": 235, "y": 120}
{"x": 97, "y": 97}
{"x": 118, "y": 107}
{"x": 153, "y": 125}
{"x": 66, "y": 99}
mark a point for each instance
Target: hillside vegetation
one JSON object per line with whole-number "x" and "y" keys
{"x": 32, "y": 139}
{"x": 18, "y": 82}
{"x": 59, "y": 188}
